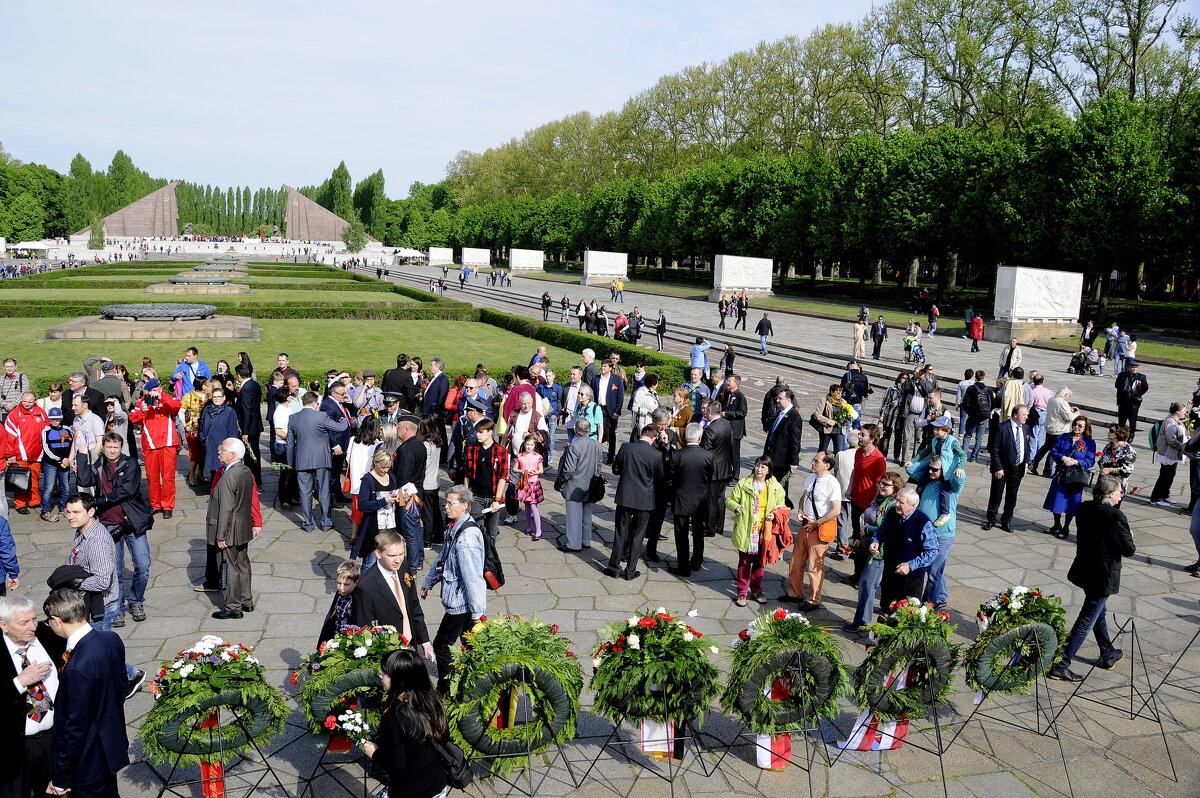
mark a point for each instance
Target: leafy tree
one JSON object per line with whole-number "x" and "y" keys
{"x": 96, "y": 234}
{"x": 24, "y": 219}
{"x": 354, "y": 236}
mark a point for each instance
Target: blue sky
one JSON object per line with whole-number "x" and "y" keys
{"x": 266, "y": 93}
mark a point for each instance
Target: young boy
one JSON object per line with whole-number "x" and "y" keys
{"x": 338, "y": 617}
{"x": 947, "y": 447}
{"x": 56, "y": 464}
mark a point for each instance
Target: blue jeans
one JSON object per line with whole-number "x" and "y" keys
{"x": 976, "y": 428}
{"x": 1038, "y": 435}
{"x": 838, "y": 439}
{"x": 1091, "y": 619}
{"x": 367, "y": 562}
{"x": 1195, "y": 527}
{"x": 53, "y": 474}
{"x": 868, "y": 586}
{"x": 857, "y": 422}
{"x": 762, "y": 344}
{"x": 935, "y": 585}
{"x": 414, "y": 538}
{"x": 105, "y": 625}
{"x": 552, "y": 423}
{"x": 139, "y": 551}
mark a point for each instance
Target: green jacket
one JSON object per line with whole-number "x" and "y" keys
{"x": 743, "y": 494}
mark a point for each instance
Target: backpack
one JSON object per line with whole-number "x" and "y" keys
{"x": 493, "y": 569}
{"x": 978, "y": 402}
{"x": 1155, "y": 428}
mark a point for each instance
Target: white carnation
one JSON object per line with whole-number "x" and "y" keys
{"x": 1020, "y": 589}
{"x": 661, "y": 611}
{"x": 360, "y": 652}
{"x": 693, "y": 613}
{"x": 596, "y": 662}
{"x": 688, "y": 636}
{"x": 635, "y": 642}
{"x": 914, "y": 602}
{"x": 714, "y": 649}
{"x": 632, "y": 621}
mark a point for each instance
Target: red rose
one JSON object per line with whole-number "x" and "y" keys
{"x": 295, "y": 678}
{"x": 744, "y": 634}
{"x": 331, "y": 723}
{"x": 945, "y": 616}
{"x": 570, "y": 653}
{"x": 780, "y": 614}
{"x": 662, "y": 616}
{"x": 483, "y": 619}
{"x": 647, "y": 623}
{"x": 554, "y": 629}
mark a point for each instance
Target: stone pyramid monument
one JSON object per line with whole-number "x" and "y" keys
{"x": 155, "y": 214}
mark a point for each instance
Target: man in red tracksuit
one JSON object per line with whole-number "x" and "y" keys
{"x": 156, "y": 412}
{"x": 25, "y": 423}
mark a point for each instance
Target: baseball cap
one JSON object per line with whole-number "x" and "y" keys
{"x": 944, "y": 421}
{"x": 54, "y": 412}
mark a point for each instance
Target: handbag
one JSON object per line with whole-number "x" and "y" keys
{"x": 511, "y": 503}
{"x": 1075, "y": 477}
{"x": 458, "y": 772}
{"x": 815, "y": 424}
{"x": 596, "y": 489}
{"x": 18, "y": 479}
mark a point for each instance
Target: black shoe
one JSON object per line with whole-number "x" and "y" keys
{"x": 1109, "y": 663}
{"x": 1054, "y": 530}
{"x": 808, "y": 606}
{"x": 223, "y": 615}
{"x": 853, "y": 629}
{"x": 608, "y": 570}
{"x": 697, "y": 565}
{"x": 631, "y": 575}
{"x": 1064, "y": 674}
{"x": 23, "y": 510}
{"x": 247, "y": 606}
{"x": 676, "y": 571}
{"x": 1006, "y": 528}
{"x": 566, "y": 548}
{"x": 986, "y": 525}
{"x": 710, "y": 534}
{"x": 134, "y": 684}
{"x": 652, "y": 556}
{"x": 205, "y": 589}
{"x": 1193, "y": 568}
{"x": 790, "y": 599}
{"x": 838, "y": 556}
{"x": 166, "y": 513}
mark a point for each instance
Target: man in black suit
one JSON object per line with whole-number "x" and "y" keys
{"x": 878, "y": 335}
{"x": 387, "y": 593}
{"x": 409, "y": 467}
{"x": 693, "y": 466}
{"x": 640, "y": 468}
{"x": 1009, "y": 453}
{"x": 734, "y": 401}
{"x": 1131, "y": 385}
{"x": 250, "y": 421}
{"x": 666, "y": 441}
{"x": 435, "y": 396}
{"x": 718, "y": 439}
{"x": 770, "y": 408}
{"x": 77, "y": 386}
{"x": 337, "y": 406}
{"x": 783, "y": 438}
{"x": 609, "y": 391}
{"x": 393, "y": 379}
{"x": 28, "y": 688}
{"x": 90, "y": 745}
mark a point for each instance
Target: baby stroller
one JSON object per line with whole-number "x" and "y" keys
{"x": 916, "y": 353}
{"x": 1084, "y": 361}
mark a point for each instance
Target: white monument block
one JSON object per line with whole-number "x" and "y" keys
{"x": 738, "y": 273}
{"x": 601, "y": 268}
{"x": 528, "y": 260}
{"x": 473, "y": 256}
{"x": 439, "y": 255}
{"x": 1035, "y": 303}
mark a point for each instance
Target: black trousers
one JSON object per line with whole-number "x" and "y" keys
{"x": 779, "y": 472}
{"x": 33, "y": 770}
{"x": 1006, "y": 488}
{"x": 876, "y": 348}
{"x": 741, "y": 319}
{"x": 1127, "y": 414}
{"x": 212, "y": 566}
{"x": 894, "y": 586}
{"x": 737, "y": 459}
{"x": 453, "y": 627}
{"x": 654, "y": 526}
{"x": 689, "y": 542}
{"x": 716, "y": 506}
{"x": 431, "y": 517}
{"x": 335, "y": 477}
{"x": 610, "y": 435}
{"x": 627, "y": 540}
{"x": 1162, "y": 486}
{"x": 254, "y": 463}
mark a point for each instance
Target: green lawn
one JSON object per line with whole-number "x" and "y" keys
{"x": 297, "y": 296}
{"x": 1186, "y": 354}
{"x": 118, "y": 279}
{"x": 314, "y": 345}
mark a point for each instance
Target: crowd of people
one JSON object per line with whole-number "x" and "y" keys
{"x": 424, "y": 461}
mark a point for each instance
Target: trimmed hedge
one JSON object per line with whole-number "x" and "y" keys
{"x": 447, "y": 311}
{"x": 672, "y": 371}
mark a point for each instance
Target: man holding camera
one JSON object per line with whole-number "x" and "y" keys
{"x": 156, "y": 413}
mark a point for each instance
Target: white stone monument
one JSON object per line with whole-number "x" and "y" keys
{"x": 1034, "y": 303}
{"x": 736, "y": 273}
{"x": 527, "y": 260}
{"x": 473, "y": 256}
{"x": 440, "y": 255}
{"x": 601, "y": 268}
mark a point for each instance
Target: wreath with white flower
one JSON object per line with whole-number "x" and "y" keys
{"x": 914, "y": 633}
{"x": 1022, "y": 633}
{"x": 345, "y": 672}
{"x": 200, "y": 682}
{"x": 654, "y": 667}
{"x": 784, "y": 647}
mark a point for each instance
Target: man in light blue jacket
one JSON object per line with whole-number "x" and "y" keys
{"x": 699, "y": 360}
{"x": 459, "y": 567}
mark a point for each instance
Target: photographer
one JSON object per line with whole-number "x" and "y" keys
{"x": 155, "y": 412}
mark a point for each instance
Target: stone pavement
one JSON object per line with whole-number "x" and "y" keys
{"x": 1107, "y": 753}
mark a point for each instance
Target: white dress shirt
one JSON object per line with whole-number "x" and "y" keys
{"x": 36, "y": 653}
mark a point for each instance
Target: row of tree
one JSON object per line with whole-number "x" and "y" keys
{"x": 1109, "y": 190}
{"x": 979, "y": 65}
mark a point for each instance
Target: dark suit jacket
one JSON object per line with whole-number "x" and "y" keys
{"x": 1130, "y": 388}
{"x": 640, "y": 468}
{"x": 734, "y": 411}
{"x": 435, "y": 395}
{"x": 718, "y": 439}
{"x": 12, "y": 702}
{"x": 1103, "y": 538}
{"x": 590, "y": 372}
{"x": 612, "y": 403}
{"x": 409, "y": 465}
{"x": 331, "y": 408}
{"x": 308, "y": 436}
{"x": 693, "y": 472}
{"x": 393, "y": 380}
{"x": 89, "y": 715}
{"x": 229, "y": 507}
{"x": 249, "y": 409}
{"x": 1003, "y": 447}
{"x": 374, "y": 602}
{"x": 95, "y": 401}
{"x": 408, "y": 391}
{"x": 783, "y": 445}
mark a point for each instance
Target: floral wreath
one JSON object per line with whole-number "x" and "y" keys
{"x": 343, "y": 676}
{"x": 1022, "y": 634}
{"x": 653, "y": 667}
{"x": 784, "y": 648}
{"x": 500, "y": 658}
{"x": 916, "y": 634}
{"x": 193, "y": 687}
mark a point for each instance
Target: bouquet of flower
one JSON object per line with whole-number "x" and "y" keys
{"x": 345, "y": 671}
{"x": 210, "y": 664}
{"x": 1022, "y": 632}
{"x": 352, "y": 723}
{"x": 1018, "y": 605}
{"x": 843, "y": 413}
{"x": 654, "y": 667}
{"x": 916, "y": 636}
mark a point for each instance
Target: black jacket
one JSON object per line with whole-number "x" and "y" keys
{"x": 640, "y": 468}
{"x": 1102, "y": 539}
{"x": 734, "y": 411}
{"x": 374, "y": 602}
{"x": 718, "y": 439}
{"x": 1002, "y": 447}
{"x": 12, "y": 703}
{"x": 249, "y": 409}
{"x": 783, "y": 445}
{"x": 693, "y": 472}
{"x": 127, "y": 490}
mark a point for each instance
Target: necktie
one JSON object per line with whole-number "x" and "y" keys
{"x": 37, "y": 697}
{"x": 399, "y": 593}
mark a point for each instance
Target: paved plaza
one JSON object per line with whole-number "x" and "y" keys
{"x": 1107, "y": 753}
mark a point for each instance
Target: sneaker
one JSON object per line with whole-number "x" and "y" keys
{"x": 134, "y": 684}
{"x": 1163, "y": 503}
{"x": 1168, "y": 502}
{"x": 137, "y": 612}
{"x": 941, "y": 520}
{"x": 119, "y": 621}
{"x": 760, "y": 597}
{"x": 740, "y": 601}
{"x": 47, "y": 517}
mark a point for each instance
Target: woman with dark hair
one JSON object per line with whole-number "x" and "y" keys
{"x": 405, "y": 754}
{"x": 225, "y": 376}
{"x": 431, "y": 433}
{"x": 1074, "y": 448}
{"x": 889, "y": 413}
{"x": 358, "y": 463}
{"x": 244, "y": 360}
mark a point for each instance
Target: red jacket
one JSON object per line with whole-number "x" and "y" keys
{"x": 158, "y": 422}
{"x": 26, "y": 428}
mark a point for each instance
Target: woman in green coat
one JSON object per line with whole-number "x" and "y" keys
{"x": 754, "y": 499}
